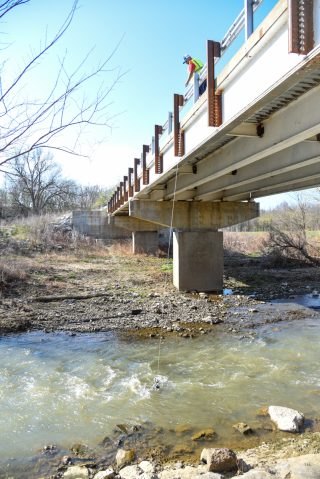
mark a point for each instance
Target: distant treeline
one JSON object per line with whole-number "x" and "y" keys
{"x": 304, "y": 207}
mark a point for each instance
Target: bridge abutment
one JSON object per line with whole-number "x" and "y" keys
{"x": 198, "y": 260}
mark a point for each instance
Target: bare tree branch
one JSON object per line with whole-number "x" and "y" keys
{"x": 30, "y": 124}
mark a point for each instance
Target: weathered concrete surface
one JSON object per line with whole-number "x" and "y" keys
{"x": 193, "y": 214}
{"x": 94, "y": 223}
{"x": 145, "y": 242}
{"x": 198, "y": 260}
{"x": 131, "y": 224}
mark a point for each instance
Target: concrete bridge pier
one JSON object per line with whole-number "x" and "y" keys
{"x": 197, "y": 243}
{"x": 145, "y": 242}
{"x": 198, "y": 260}
{"x": 145, "y": 235}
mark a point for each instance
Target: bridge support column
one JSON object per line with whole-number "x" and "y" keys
{"x": 145, "y": 242}
{"x": 198, "y": 260}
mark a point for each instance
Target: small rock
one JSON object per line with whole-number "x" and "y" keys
{"x": 286, "y": 419}
{"x": 182, "y": 428}
{"x": 203, "y": 295}
{"x": 135, "y": 312}
{"x": 130, "y": 472}
{"x": 146, "y": 466}
{"x": 257, "y": 474}
{"x": 207, "y": 319}
{"x": 124, "y": 457}
{"x": 204, "y": 434}
{"x": 219, "y": 459}
{"x": 301, "y": 467}
{"x": 107, "y": 474}
{"x": 263, "y": 411}
{"x": 51, "y": 448}
{"x": 123, "y": 428}
{"x": 181, "y": 450}
{"x": 188, "y": 472}
{"x": 76, "y": 472}
{"x": 243, "y": 428}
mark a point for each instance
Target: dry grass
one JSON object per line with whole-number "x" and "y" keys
{"x": 12, "y": 271}
{"x": 246, "y": 243}
{"x": 40, "y": 233}
{"x": 121, "y": 248}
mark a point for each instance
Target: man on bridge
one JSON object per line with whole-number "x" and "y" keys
{"x": 194, "y": 66}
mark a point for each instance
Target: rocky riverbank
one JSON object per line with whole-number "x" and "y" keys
{"x": 106, "y": 291}
{"x": 113, "y": 292}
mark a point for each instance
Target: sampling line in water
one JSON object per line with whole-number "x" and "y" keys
{"x": 168, "y": 253}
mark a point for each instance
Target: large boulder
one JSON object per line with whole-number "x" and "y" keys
{"x": 286, "y": 419}
{"x": 219, "y": 459}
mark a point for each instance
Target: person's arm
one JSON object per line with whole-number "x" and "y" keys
{"x": 191, "y": 71}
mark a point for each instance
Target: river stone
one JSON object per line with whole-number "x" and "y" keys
{"x": 243, "y": 428}
{"x": 182, "y": 428}
{"x": 76, "y": 472}
{"x": 306, "y": 467}
{"x": 188, "y": 472}
{"x": 124, "y": 457}
{"x": 181, "y": 449}
{"x": 219, "y": 459}
{"x": 285, "y": 418}
{"x": 107, "y": 474}
{"x": 134, "y": 472}
{"x": 146, "y": 466}
{"x": 263, "y": 411}
{"x": 130, "y": 472}
{"x": 204, "y": 434}
{"x": 257, "y": 474}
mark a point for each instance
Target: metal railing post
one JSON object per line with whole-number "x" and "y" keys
{"x": 158, "y": 159}
{"x": 248, "y": 18}
{"x": 195, "y": 87}
{"x": 170, "y": 116}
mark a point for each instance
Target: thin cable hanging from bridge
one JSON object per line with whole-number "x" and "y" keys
{"x": 157, "y": 382}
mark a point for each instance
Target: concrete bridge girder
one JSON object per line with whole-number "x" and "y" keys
{"x": 132, "y": 224}
{"x": 191, "y": 215}
{"x": 276, "y": 169}
{"x": 296, "y": 123}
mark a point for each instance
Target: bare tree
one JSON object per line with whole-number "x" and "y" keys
{"x": 288, "y": 232}
{"x": 36, "y": 185}
{"x": 69, "y": 105}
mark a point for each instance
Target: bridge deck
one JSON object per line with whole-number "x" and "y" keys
{"x": 268, "y": 141}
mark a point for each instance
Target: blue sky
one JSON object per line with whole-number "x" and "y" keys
{"x": 153, "y": 38}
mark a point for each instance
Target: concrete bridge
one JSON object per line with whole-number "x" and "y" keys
{"x": 254, "y": 132}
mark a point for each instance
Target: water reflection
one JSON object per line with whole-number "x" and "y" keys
{"x": 310, "y": 300}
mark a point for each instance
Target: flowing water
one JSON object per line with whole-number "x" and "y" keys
{"x": 55, "y": 388}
